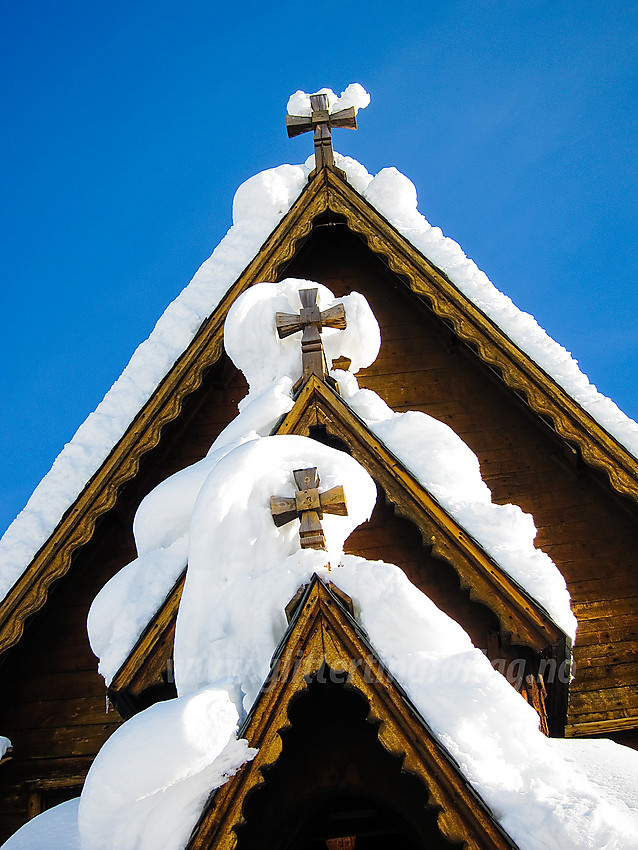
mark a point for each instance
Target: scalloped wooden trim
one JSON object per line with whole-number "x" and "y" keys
{"x": 76, "y": 526}
{"x": 146, "y": 662}
{"x": 547, "y": 398}
{"x": 519, "y": 616}
{"x": 326, "y": 191}
{"x": 323, "y": 633}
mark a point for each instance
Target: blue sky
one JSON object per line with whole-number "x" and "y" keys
{"x": 129, "y": 126}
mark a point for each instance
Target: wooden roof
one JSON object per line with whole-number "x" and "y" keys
{"x": 328, "y": 198}
{"x": 324, "y": 635}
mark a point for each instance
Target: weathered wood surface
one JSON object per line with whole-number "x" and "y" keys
{"x": 321, "y": 121}
{"x": 309, "y": 505}
{"x": 581, "y": 525}
{"x": 311, "y": 321}
{"x": 54, "y": 701}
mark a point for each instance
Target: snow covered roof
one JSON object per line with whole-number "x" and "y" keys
{"x": 260, "y": 211}
{"x": 460, "y": 727}
{"x": 419, "y": 461}
{"x": 150, "y": 782}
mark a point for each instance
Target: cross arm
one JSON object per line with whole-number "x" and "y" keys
{"x": 287, "y": 324}
{"x": 333, "y": 501}
{"x": 283, "y": 510}
{"x": 344, "y": 118}
{"x": 298, "y": 124}
{"x": 334, "y": 317}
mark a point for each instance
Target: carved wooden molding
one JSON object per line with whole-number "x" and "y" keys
{"x": 147, "y": 661}
{"x": 598, "y": 448}
{"x": 520, "y": 617}
{"x": 76, "y": 526}
{"x": 327, "y": 191}
{"x": 323, "y": 633}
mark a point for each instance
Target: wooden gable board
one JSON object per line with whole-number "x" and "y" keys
{"x": 522, "y": 620}
{"x": 328, "y": 196}
{"x": 326, "y": 193}
{"x": 323, "y": 633}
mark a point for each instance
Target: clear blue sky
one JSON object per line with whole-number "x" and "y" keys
{"x": 128, "y": 127}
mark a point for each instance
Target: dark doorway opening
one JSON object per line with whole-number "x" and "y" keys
{"x": 335, "y": 786}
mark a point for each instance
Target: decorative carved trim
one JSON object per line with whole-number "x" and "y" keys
{"x": 521, "y": 620}
{"x": 327, "y": 191}
{"x": 76, "y": 526}
{"x": 598, "y": 448}
{"x": 520, "y": 617}
{"x": 147, "y": 660}
{"x": 323, "y": 633}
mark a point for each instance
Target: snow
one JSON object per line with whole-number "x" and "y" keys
{"x": 354, "y": 95}
{"x": 150, "y": 781}
{"x": 394, "y": 195}
{"x": 251, "y": 340}
{"x": 611, "y": 766}
{"x": 449, "y": 470}
{"x": 5, "y": 744}
{"x": 259, "y": 205}
{"x": 257, "y": 567}
{"x": 546, "y": 794}
{"x": 438, "y": 458}
{"x": 54, "y": 829}
{"x": 122, "y": 609}
{"x": 126, "y": 604}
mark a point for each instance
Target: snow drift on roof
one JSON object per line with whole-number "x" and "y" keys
{"x": 435, "y": 455}
{"x": 259, "y": 205}
{"x": 152, "y": 778}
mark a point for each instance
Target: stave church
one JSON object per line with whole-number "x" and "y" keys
{"x": 346, "y": 558}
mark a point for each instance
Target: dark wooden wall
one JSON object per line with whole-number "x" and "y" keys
{"x": 53, "y": 704}
{"x": 53, "y": 701}
{"x": 590, "y": 534}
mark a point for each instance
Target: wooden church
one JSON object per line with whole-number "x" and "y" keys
{"x": 350, "y": 764}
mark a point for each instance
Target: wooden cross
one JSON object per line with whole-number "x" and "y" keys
{"x": 321, "y": 121}
{"x": 311, "y": 320}
{"x": 309, "y": 505}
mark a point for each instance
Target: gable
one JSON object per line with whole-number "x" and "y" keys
{"x": 518, "y": 632}
{"x": 576, "y": 507}
{"x": 325, "y": 637}
{"x": 327, "y": 195}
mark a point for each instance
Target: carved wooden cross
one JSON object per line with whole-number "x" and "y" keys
{"x": 309, "y": 505}
{"x": 311, "y": 321}
{"x": 321, "y": 121}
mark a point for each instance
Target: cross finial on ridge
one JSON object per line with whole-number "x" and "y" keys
{"x": 311, "y": 320}
{"x": 321, "y": 121}
{"x": 309, "y": 505}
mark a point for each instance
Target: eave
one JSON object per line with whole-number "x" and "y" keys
{"x": 546, "y": 397}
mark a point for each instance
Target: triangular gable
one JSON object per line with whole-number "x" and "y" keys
{"x": 544, "y": 395}
{"x": 522, "y": 620}
{"x": 521, "y": 617}
{"x": 327, "y": 195}
{"x": 323, "y": 635}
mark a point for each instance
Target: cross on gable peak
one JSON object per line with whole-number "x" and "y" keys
{"x": 311, "y": 320}
{"x": 321, "y": 120}
{"x": 309, "y": 505}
